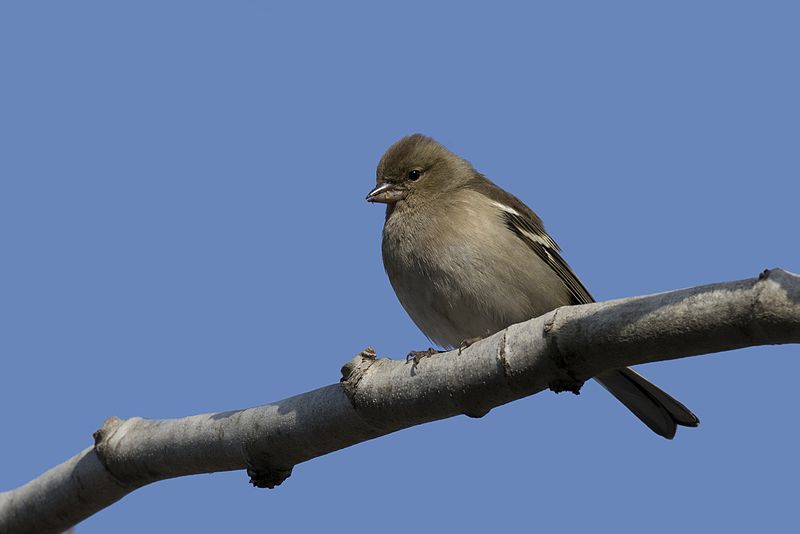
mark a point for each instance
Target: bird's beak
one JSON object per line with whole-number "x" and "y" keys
{"x": 387, "y": 193}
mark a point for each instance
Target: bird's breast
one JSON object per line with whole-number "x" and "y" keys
{"x": 460, "y": 274}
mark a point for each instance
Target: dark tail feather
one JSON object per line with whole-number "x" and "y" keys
{"x": 654, "y": 407}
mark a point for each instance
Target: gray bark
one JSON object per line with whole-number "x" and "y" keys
{"x": 559, "y": 351}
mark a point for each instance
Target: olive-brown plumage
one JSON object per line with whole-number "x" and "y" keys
{"x": 467, "y": 259}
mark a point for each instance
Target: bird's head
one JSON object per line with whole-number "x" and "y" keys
{"x": 418, "y": 167}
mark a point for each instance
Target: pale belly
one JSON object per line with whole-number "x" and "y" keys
{"x": 460, "y": 292}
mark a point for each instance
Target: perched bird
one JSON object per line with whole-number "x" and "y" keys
{"x": 467, "y": 259}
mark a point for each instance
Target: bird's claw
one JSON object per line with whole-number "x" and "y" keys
{"x": 467, "y": 342}
{"x": 417, "y": 355}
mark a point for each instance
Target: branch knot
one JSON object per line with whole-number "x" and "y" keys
{"x": 563, "y": 359}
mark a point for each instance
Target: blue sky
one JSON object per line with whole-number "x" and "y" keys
{"x": 183, "y": 230}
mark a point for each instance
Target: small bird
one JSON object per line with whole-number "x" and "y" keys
{"x": 467, "y": 259}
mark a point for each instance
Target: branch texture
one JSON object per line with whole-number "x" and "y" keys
{"x": 559, "y": 351}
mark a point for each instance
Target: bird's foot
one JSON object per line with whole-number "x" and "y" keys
{"x": 467, "y": 342}
{"x": 417, "y": 355}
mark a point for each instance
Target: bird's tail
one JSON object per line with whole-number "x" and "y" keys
{"x": 654, "y": 407}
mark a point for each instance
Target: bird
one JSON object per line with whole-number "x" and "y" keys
{"x": 467, "y": 259}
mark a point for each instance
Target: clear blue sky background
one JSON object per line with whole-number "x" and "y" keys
{"x": 183, "y": 230}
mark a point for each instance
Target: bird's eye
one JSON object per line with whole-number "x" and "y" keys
{"x": 414, "y": 174}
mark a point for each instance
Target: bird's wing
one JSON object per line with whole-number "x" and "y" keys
{"x": 521, "y": 220}
{"x": 543, "y": 245}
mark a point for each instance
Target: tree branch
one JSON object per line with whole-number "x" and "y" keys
{"x": 559, "y": 350}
